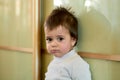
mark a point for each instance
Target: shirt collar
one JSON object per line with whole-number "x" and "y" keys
{"x": 67, "y": 55}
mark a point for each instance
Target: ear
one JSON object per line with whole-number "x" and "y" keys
{"x": 73, "y": 41}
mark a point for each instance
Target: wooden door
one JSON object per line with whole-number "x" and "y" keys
{"x": 19, "y": 40}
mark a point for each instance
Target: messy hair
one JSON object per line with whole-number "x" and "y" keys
{"x": 62, "y": 16}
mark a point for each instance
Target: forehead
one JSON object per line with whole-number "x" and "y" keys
{"x": 58, "y": 30}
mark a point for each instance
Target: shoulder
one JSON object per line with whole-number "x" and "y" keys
{"x": 78, "y": 68}
{"x": 76, "y": 60}
{"x": 79, "y": 65}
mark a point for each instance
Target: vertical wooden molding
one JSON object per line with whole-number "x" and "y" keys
{"x": 36, "y": 39}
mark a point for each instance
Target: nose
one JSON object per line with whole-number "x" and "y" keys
{"x": 54, "y": 43}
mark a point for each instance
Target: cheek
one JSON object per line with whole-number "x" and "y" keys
{"x": 66, "y": 47}
{"x": 48, "y": 47}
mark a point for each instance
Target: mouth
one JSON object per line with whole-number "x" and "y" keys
{"x": 54, "y": 51}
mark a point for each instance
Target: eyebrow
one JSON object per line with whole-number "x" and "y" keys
{"x": 56, "y": 36}
{"x": 60, "y": 35}
{"x": 48, "y": 36}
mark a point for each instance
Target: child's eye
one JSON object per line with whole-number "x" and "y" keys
{"x": 60, "y": 38}
{"x": 49, "y": 39}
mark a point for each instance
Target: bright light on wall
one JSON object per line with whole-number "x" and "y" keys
{"x": 17, "y": 4}
{"x": 87, "y": 3}
{"x": 57, "y": 2}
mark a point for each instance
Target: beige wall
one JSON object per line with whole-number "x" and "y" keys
{"x": 99, "y": 34}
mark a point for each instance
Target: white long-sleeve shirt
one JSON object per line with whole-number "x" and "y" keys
{"x": 70, "y": 67}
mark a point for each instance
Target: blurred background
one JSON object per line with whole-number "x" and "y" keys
{"x": 23, "y": 54}
{"x": 16, "y": 41}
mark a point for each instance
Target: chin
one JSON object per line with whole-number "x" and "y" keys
{"x": 58, "y": 56}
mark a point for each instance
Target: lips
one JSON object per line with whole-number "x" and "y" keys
{"x": 54, "y": 51}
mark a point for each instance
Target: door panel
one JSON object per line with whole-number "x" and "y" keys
{"x": 17, "y": 24}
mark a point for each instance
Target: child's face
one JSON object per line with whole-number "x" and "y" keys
{"x": 58, "y": 41}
